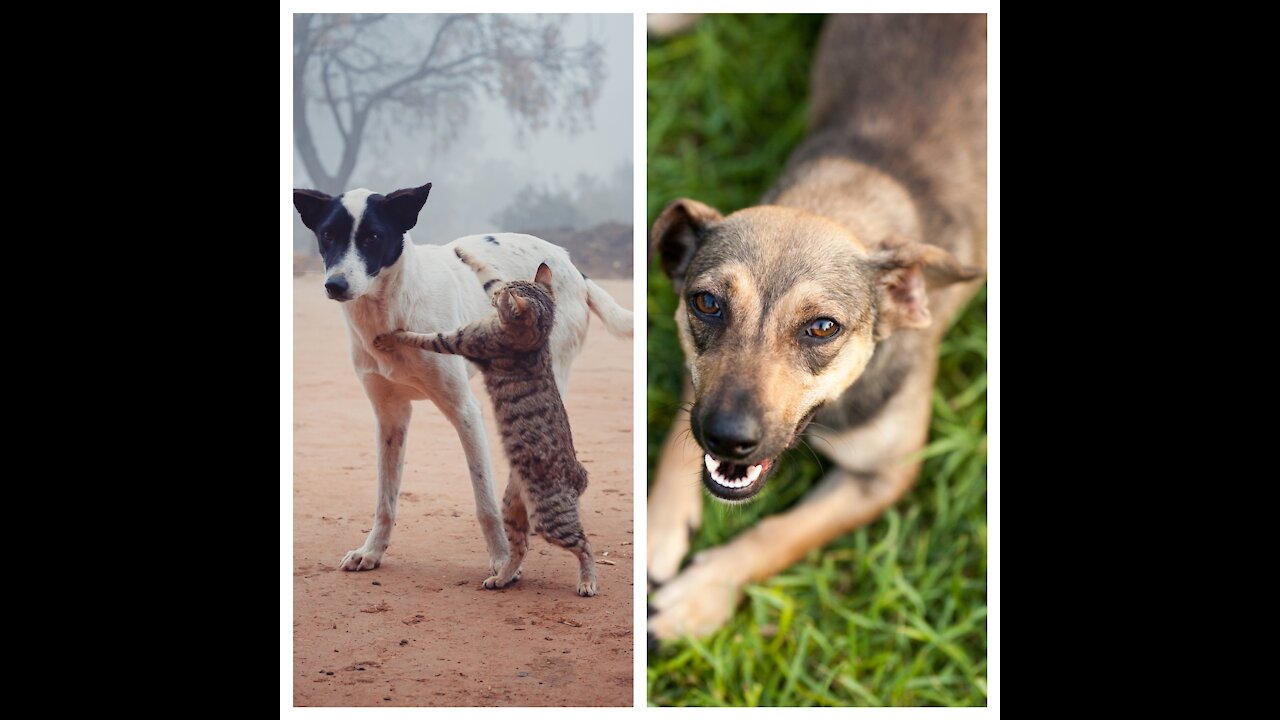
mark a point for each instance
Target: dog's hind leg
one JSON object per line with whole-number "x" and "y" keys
{"x": 675, "y": 498}
{"x": 458, "y": 404}
{"x": 393, "y": 412}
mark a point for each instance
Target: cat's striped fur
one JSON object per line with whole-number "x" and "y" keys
{"x": 510, "y": 348}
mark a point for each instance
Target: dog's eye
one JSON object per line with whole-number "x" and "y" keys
{"x": 327, "y": 236}
{"x": 369, "y": 239}
{"x": 822, "y": 328}
{"x": 707, "y": 304}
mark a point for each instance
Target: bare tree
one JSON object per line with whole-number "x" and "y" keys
{"x": 422, "y": 73}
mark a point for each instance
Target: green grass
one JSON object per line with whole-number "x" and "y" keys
{"x": 894, "y": 613}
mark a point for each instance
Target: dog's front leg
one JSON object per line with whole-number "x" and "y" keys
{"x": 675, "y": 498}
{"x": 459, "y": 405}
{"x": 393, "y": 412}
{"x": 703, "y": 597}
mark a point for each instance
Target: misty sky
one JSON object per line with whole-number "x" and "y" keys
{"x": 477, "y": 175}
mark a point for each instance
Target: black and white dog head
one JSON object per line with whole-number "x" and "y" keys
{"x": 360, "y": 232}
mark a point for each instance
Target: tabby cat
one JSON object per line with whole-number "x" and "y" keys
{"x": 510, "y": 348}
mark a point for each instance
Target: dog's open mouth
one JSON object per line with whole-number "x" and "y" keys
{"x": 733, "y": 482}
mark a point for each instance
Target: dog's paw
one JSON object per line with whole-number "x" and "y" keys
{"x": 495, "y": 582}
{"x": 387, "y": 341}
{"x": 587, "y": 588}
{"x": 701, "y": 599}
{"x": 360, "y": 559}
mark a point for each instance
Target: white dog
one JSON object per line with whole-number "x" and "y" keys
{"x": 385, "y": 283}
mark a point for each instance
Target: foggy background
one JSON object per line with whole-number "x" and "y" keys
{"x": 522, "y": 123}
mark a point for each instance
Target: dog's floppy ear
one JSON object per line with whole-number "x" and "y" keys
{"x": 677, "y": 233}
{"x": 904, "y": 270}
{"x": 402, "y": 206}
{"x": 311, "y": 205}
{"x": 543, "y": 276}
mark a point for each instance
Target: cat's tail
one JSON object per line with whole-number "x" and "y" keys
{"x": 487, "y": 277}
{"x": 617, "y": 319}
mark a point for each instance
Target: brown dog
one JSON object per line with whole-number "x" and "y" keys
{"x": 826, "y": 302}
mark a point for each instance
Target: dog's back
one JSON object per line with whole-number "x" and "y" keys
{"x": 907, "y": 94}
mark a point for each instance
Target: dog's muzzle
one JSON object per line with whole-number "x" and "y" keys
{"x": 738, "y": 456}
{"x": 337, "y": 288}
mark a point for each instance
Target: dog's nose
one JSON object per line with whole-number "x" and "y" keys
{"x": 336, "y": 286}
{"x": 731, "y": 436}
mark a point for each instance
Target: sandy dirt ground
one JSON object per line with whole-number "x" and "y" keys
{"x": 420, "y": 630}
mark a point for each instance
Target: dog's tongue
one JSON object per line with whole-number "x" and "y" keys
{"x": 732, "y": 475}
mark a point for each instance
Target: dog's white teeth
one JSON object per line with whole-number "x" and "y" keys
{"x": 713, "y": 468}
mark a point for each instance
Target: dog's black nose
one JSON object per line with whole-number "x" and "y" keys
{"x": 731, "y": 436}
{"x": 336, "y": 286}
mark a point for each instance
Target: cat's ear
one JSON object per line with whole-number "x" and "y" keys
{"x": 543, "y": 276}
{"x": 518, "y": 304}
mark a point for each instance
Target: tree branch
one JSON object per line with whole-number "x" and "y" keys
{"x": 333, "y": 103}
{"x": 420, "y": 74}
{"x": 424, "y": 68}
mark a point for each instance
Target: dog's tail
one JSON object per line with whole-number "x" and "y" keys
{"x": 487, "y": 277}
{"x": 617, "y": 319}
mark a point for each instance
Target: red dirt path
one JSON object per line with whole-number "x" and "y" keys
{"x": 419, "y": 630}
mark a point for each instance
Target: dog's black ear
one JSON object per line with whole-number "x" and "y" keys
{"x": 904, "y": 271}
{"x": 677, "y": 233}
{"x": 403, "y": 206}
{"x": 311, "y": 206}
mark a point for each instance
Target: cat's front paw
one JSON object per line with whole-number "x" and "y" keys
{"x": 387, "y": 341}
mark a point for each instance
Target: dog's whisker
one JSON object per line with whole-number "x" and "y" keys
{"x": 818, "y": 437}
{"x": 812, "y": 452}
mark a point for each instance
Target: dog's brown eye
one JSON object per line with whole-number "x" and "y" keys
{"x": 822, "y": 328}
{"x": 369, "y": 239}
{"x": 707, "y": 304}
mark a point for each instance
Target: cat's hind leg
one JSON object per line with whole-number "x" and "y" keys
{"x": 515, "y": 519}
{"x": 558, "y": 522}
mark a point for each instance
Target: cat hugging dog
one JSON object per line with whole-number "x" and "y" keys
{"x": 510, "y": 349}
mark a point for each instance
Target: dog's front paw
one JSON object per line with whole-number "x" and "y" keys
{"x": 361, "y": 559}
{"x": 700, "y": 599}
{"x": 387, "y": 341}
{"x": 587, "y": 588}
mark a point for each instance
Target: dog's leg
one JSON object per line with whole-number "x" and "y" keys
{"x": 392, "y": 411}
{"x": 675, "y": 498}
{"x": 703, "y": 597}
{"x": 459, "y": 405}
{"x": 516, "y": 519}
